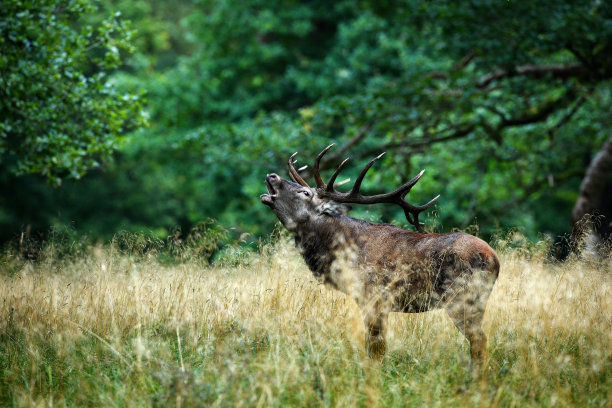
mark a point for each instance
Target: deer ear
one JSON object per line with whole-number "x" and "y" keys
{"x": 333, "y": 208}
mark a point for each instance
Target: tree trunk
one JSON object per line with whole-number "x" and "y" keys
{"x": 592, "y": 213}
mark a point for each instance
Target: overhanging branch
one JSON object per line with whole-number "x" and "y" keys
{"x": 494, "y": 130}
{"x": 538, "y": 71}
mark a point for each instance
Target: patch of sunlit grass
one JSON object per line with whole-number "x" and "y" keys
{"x": 110, "y": 328}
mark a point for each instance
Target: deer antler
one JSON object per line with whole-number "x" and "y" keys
{"x": 395, "y": 197}
{"x": 293, "y": 173}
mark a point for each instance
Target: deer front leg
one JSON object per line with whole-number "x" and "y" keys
{"x": 375, "y": 334}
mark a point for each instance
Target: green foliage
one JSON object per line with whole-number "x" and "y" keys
{"x": 205, "y": 243}
{"x": 61, "y": 115}
{"x": 234, "y": 88}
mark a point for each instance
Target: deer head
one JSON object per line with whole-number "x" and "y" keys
{"x": 295, "y": 202}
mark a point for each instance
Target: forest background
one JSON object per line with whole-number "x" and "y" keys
{"x": 160, "y": 116}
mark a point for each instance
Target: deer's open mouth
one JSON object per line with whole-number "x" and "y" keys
{"x": 268, "y": 199}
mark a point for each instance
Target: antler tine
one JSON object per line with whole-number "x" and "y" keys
{"x": 290, "y": 173}
{"x": 330, "y": 185}
{"x": 357, "y": 185}
{"x": 413, "y": 210}
{"x": 294, "y": 174}
{"x": 291, "y": 177}
{"x": 317, "y": 175}
{"x": 429, "y": 204}
{"x": 397, "y": 196}
{"x": 405, "y": 189}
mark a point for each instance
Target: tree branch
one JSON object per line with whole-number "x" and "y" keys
{"x": 415, "y": 144}
{"x": 540, "y": 114}
{"x": 464, "y": 61}
{"x": 538, "y": 71}
{"x": 361, "y": 134}
{"x": 568, "y": 116}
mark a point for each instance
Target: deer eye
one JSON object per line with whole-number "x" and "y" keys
{"x": 306, "y": 193}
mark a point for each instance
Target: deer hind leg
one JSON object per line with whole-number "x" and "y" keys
{"x": 470, "y": 324}
{"x": 466, "y": 310}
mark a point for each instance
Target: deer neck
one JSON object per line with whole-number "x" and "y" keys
{"x": 321, "y": 240}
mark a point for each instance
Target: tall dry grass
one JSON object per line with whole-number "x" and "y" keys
{"x": 107, "y": 328}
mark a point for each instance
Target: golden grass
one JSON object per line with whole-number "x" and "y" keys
{"x": 109, "y": 329}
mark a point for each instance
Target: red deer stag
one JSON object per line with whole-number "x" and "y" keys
{"x": 382, "y": 267}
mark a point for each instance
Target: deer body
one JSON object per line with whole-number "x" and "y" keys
{"x": 385, "y": 268}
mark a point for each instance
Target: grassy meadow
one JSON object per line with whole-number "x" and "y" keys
{"x": 109, "y": 327}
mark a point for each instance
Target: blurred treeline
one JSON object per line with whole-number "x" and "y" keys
{"x": 232, "y": 88}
